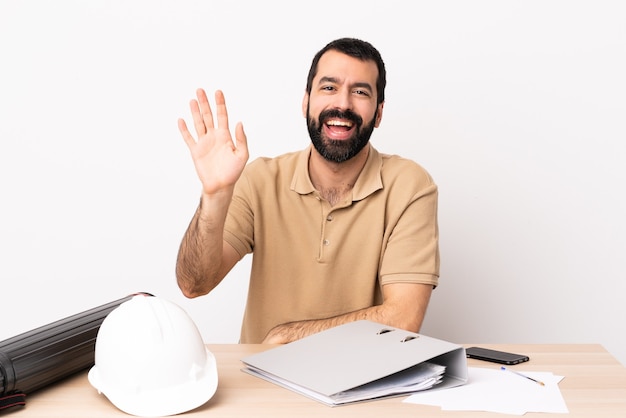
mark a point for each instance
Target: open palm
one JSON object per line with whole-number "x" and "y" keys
{"x": 218, "y": 160}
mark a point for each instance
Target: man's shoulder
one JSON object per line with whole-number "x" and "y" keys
{"x": 264, "y": 172}
{"x": 398, "y": 167}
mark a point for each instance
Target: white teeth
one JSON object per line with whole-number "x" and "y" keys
{"x": 339, "y": 123}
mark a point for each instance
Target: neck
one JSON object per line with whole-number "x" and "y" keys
{"x": 335, "y": 180}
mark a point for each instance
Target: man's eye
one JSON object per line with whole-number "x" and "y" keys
{"x": 361, "y": 92}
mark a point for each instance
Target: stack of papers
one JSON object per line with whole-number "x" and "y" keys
{"x": 501, "y": 391}
{"x": 420, "y": 377}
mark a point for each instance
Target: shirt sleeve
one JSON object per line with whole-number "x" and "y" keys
{"x": 239, "y": 226}
{"x": 412, "y": 251}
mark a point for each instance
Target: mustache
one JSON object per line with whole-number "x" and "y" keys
{"x": 340, "y": 114}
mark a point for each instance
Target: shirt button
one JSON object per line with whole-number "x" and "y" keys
{"x": 326, "y": 242}
{"x": 329, "y": 218}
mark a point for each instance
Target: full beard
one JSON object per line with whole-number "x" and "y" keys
{"x": 334, "y": 150}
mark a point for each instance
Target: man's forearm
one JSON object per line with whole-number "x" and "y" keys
{"x": 200, "y": 253}
{"x": 404, "y": 307}
{"x": 293, "y": 331}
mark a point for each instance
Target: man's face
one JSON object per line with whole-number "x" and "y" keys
{"x": 341, "y": 110}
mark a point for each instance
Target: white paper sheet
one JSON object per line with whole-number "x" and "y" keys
{"x": 500, "y": 391}
{"x": 420, "y": 377}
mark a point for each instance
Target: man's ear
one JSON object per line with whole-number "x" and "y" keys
{"x": 305, "y": 103}
{"x": 379, "y": 114}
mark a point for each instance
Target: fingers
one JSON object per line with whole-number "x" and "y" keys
{"x": 201, "y": 113}
{"x": 205, "y": 109}
{"x": 222, "y": 113}
{"x": 182, "y": 127}
{"x": 203, "y": 119}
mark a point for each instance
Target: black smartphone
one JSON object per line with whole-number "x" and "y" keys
{"x": 495, "y": 356}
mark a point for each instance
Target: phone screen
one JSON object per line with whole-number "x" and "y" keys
{"x": 495, "y": 356}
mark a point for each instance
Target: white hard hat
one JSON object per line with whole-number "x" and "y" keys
{"x": 150, "y": 359}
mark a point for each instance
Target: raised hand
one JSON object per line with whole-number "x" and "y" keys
{"x": 218, "y": 160}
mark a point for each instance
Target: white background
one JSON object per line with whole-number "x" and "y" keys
{"x": 517, "y": 108}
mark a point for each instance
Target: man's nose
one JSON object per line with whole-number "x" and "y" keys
{"x": 343, "y": 100}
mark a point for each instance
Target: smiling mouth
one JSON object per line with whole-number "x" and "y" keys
{"x": 339, "y": 128}
{"x": 340, "y": 123}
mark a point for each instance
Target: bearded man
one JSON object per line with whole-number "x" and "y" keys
{"x": 338, "y": 232}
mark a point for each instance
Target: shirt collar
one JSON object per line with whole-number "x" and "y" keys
{"x": 367, "y": 183}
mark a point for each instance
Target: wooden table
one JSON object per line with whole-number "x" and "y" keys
{"x": 594, "y": 386}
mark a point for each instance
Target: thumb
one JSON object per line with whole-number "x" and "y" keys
{"x": 241, "y": 141}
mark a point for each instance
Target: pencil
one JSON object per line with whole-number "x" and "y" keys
{"x": 523, "y": 375}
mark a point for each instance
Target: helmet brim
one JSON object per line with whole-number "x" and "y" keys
{"x": 170, "y": 400}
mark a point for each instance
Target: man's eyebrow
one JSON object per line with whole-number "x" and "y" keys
{"x": 335, "y": 80}
{"x": 328, "y": 79}
{"x": 363, "y": 85}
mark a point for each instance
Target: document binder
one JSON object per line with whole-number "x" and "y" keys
{"x": 352, "y": 362}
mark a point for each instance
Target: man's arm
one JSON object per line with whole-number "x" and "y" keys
{"x": 404, "y": 306}
{"x": 203, "y": 257}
